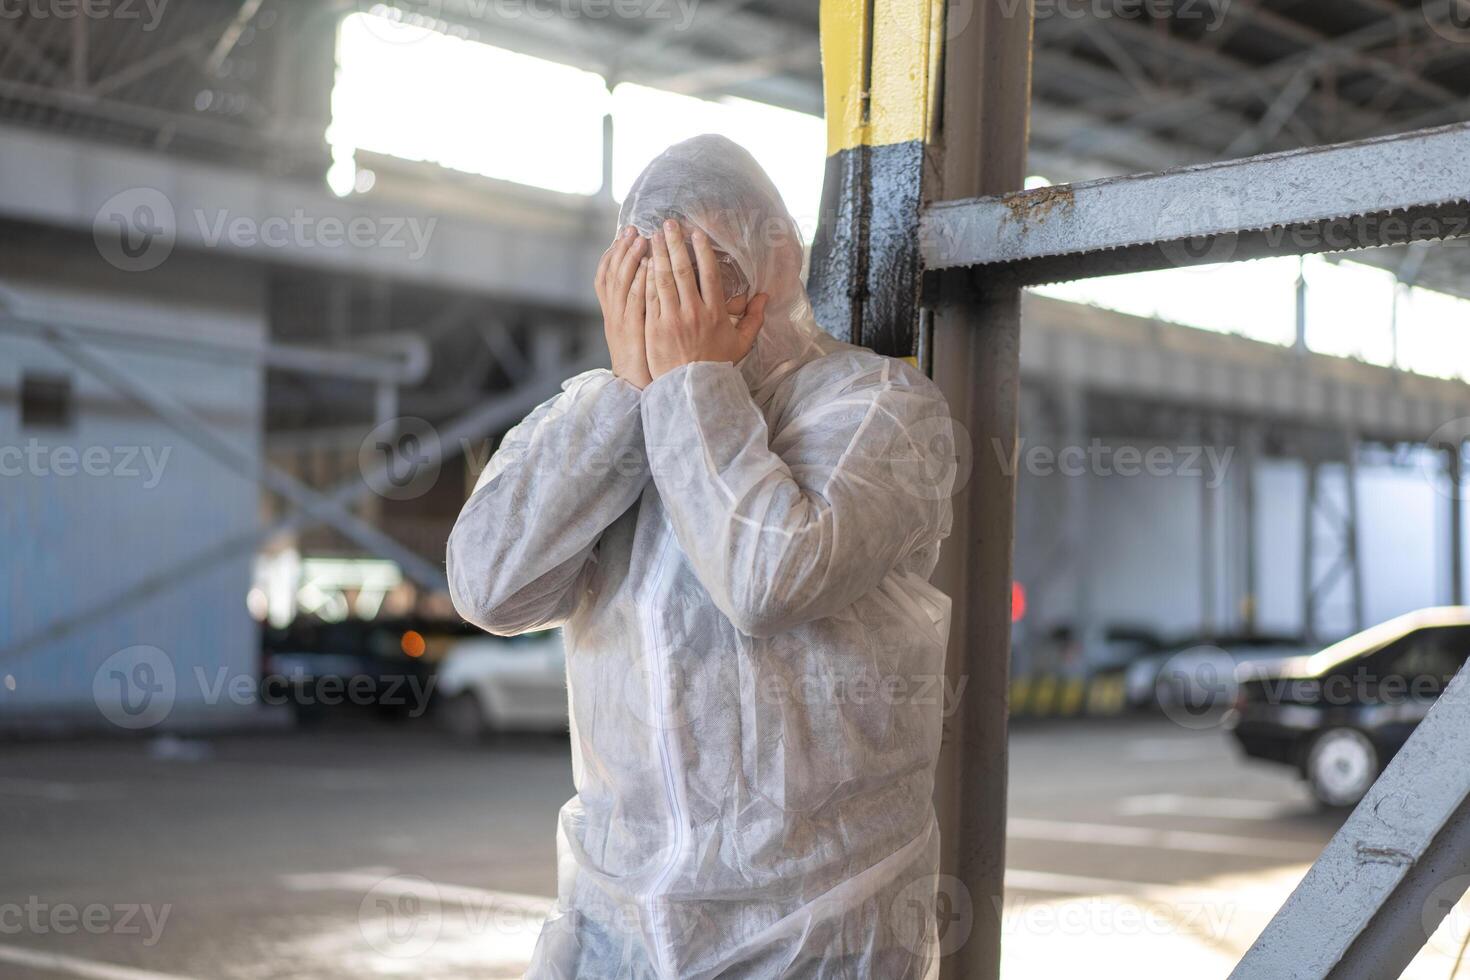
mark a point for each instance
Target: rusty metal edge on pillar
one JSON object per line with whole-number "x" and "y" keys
{"x": 979, "y": 148}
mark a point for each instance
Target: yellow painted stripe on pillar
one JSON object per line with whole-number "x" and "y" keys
{"x": 843, "y": 26}
{"x": 900, "y": 79}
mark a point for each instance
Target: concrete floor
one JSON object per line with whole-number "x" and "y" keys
{"x": 387, "y": 852}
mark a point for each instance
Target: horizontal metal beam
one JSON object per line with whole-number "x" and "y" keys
{"x": 1383, "y": 191}
{"x": 1145, "y": 360}
{"x": 406, "y": 363}
{"x": 1391, "y": 874}
{"x": 542, "y": 253}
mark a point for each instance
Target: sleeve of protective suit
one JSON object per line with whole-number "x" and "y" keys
{"x": 789, "y": 526}
{"x": 558, "y": 480}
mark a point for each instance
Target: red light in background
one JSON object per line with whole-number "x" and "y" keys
{"x": 1018, "y": 602}
{"x": 413, "y": 644}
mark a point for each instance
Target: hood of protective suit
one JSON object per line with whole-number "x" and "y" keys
{"x": 711, "y": 183}
{"x": 738, "y": 557}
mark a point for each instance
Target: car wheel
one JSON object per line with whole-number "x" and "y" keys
{"x": 1341, "y": 764}
{"x": 463, "y": 718}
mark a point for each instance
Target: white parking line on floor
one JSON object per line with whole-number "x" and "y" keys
{"x": 1026, "y": 828}
{"x": 387, "y": 882}
{"x": 1175, "y": 749}
{"x": 45, "y": 789}
{"x": 1170, "y": 804}
{"x": 1025, "y": 879}
{"x": 447, "y": 930}
{"x": 77, "y": 967}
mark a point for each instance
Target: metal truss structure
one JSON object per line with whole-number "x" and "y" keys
{"x": 1372, "y": 893}
{"x": 1312, "y": 88}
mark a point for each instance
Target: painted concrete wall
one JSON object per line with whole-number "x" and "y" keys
{"x": 1143, "y": 541}
{"x": 118, "y": 497}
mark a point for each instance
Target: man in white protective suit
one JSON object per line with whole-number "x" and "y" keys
{"x": 735, "y": 528}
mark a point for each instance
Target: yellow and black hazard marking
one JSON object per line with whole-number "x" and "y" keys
{"x": 880, "y": 68}
{"x": 1055, "y": 696}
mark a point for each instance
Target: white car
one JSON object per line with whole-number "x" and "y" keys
{"x": 498, "y": 684}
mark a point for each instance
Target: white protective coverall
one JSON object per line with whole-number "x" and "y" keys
{"x": 739, "y": 557}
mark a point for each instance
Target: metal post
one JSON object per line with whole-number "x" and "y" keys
{"x": 1301, "y": 306}
{"x": 1252, "y": 449}
{"x": 983, "y": 136}
{"x": 1454, "y": 471}
{"x": 1350, "y": 529}
{"x": 880, "y": 62}
{"x": 892, "y": 146}
{"x": 1077, "y": 521}
{"x": 1209, "y": 559}
{"x": 1309, "y": 555}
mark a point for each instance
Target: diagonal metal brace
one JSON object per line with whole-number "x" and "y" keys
{"x": 1391, "y": 874}
{"x": 245, "y": 461}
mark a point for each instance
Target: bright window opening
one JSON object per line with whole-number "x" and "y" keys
{"x": 1351, "y": 309}
{"x": 1255, "y": 299}
{"x": 790, "y": 146}
{"x": 421, "y": 95}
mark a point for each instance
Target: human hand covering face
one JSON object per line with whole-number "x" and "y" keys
{"x": 712, "y": 185}
{"x": 687, "y": 317}
{"x": 619, "y": 284}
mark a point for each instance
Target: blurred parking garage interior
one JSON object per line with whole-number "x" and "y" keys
{"x": 276, "y": 276}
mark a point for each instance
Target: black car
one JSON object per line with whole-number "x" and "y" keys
{"x": 321, "y": 669}
{"x": 1340, "y": 715}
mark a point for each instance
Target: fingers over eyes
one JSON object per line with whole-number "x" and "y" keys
{"x": 663, "y": 273}
{"x": 636, "y": 287}
{"x": 608, "y": 265}
{"x": 709, "y": 270}
{"x": 628, "y": 263}
{"x": 684, "y": 278}
{"x": 650, "y": 291}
